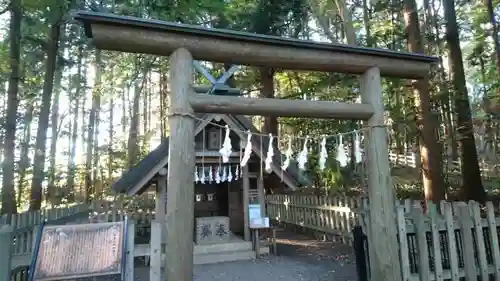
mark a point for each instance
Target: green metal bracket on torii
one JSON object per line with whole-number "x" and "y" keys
{"x": 218, "y": 86}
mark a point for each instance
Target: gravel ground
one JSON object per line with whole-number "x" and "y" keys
{"x": 300, "y": 259}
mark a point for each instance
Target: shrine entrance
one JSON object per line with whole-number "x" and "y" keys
{"x": 184, "y": 43}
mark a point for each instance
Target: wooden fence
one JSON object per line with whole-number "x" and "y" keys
{"x": 22, "y": 228}
{"x": 334, "y": 216}
{"x": 451, "y": 241}
{"x": 452, "y": 167}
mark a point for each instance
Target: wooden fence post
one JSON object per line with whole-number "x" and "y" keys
{"x": 466, "y": 225}
{"x": 155, "y": 266}
{"x": 130, "y": 255}
{"x": 6, "y": 241}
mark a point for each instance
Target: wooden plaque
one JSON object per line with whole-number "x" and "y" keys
{"x": 78, "y": 251}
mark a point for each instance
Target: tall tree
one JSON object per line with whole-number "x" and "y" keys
{"x": 93, "y": 126}
{"x": 24, "y": 161}
{"x": 472, "y": 186}
{"x": 8, "y": 194}
{"x": 494, "y": 27}
{"x": 52, "y": 194}
{"x": 269, "y": 18}
{"x": 133, "y": 133}
{"x": 430, "y": 151}
{"x": 79, "y": 86}
{"x": 52, "y": 47}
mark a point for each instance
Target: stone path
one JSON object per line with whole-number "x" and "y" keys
{"x": 300, "y": 259}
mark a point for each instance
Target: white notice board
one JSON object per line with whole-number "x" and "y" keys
{"x": 255, "y": 217}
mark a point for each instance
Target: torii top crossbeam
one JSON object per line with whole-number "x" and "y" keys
{"x": 136, "y": 35}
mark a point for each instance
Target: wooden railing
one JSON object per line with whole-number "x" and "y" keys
{"x": 334, "y": 216}
{"x": 424, "y": 238}
{"x": 459, "y": 241}
{"x": 473, "y": 231}
{"x": 452, "y": 167}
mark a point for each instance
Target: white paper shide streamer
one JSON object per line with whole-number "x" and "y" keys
{"x": 341, "y": 153}
{"x": 269, "y": 156}
{"x": 302, "y": 158}
{"x": 248, "y": 150}
{"x": 210, "y": 175}
{"x": 229, "y": 174}
{"x": 202, "y": 178}
{"x": 224, "y": 174}
{"x": 357, "y": 148}
{"x": 323, "y": 155}
{"x": 226, "y": 149}
{"x": 288, "y": 155}
{"x": 217, "y": 175}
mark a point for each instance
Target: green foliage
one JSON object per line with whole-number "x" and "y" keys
{"x": 4, "y": 59}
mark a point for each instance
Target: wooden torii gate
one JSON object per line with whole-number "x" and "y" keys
{"x": 184, "y": 43}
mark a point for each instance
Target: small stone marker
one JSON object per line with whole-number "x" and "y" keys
{"x": 80, "y": 251}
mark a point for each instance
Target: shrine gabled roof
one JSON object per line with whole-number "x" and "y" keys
{"x": 137, "y": 178}
{"x": 135, "y": 181}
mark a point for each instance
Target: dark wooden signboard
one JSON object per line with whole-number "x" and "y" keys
{"x": 79, "y": 251}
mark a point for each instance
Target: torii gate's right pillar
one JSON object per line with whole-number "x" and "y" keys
{"x": 383, "y": 239}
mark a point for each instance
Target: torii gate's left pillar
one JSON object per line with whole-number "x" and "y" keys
{"x": 180, "y": 178}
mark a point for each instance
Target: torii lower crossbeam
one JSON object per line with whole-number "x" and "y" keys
{"x": 384, "y": 257}
{"x": 280, "y": 107}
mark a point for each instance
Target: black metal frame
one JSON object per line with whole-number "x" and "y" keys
{"x": 360, "y": 247}
{"x": 362, "y": 255}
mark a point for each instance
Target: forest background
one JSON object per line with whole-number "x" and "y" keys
{"x": 73, "y": 118}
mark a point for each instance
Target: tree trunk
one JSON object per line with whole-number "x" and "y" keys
{"x": 43, "y": 119}
{"x": 93, "y": 123}
{"x": 472, "y": 186}
{"x": 132, "y": 143}
{"x": 51, "y": 186}
{"x": 96, "y": 184}
{"x": 496, "y": 40}
{"x": 80, "y": 189}
{"x": 367, "y": 24}
{"x": 9, "y": 205}
{"x": 348, "y": 29}
{"x": 430, "y": 150}
{"x": 444, "y": 91}
{"x": 267, "y": 81}
{"x": 70, "y": 185}
{"x": 163, "y": 105}
{"x": 24, "y": 161}
{"x": 111, "y": 129}
{"x": 146, "y": 110}
{"x": 125, "y": 101}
